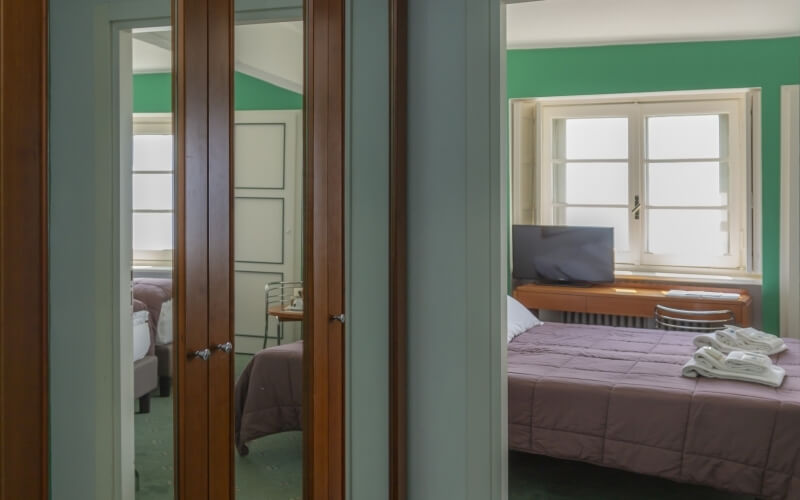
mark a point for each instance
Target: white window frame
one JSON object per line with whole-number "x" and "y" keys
{"x": 152, "y": 124}
{"x": 744, "y": 170}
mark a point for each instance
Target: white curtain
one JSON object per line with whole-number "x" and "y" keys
{"x": 790, "y": 212}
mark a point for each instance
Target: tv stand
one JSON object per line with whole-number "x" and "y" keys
{"x": 629, "y": 299}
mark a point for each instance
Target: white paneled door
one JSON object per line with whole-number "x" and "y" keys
{"x": 267, "y": 216}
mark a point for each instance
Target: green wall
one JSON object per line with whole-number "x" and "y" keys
{"x": 767, "y": 64}
{"x": 152, "y": 93}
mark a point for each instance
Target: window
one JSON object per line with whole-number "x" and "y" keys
{"x": 152, "y": 189}
{"x": 670, "y": 175}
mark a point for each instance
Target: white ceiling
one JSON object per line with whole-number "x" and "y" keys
{"x": 565, "y": 23}
{"x": 272, "y": 52}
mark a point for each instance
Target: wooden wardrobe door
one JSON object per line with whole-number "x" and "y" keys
{"x": 196, "y": 145}
{"x": 323, "y": 256}
{"x": 220, "y": 259}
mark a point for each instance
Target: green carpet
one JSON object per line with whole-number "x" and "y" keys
{"x": 533, "y": 477}
{"x": 273, "y": 469}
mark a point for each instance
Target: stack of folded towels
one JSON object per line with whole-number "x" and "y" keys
{"x": 737, "y": 354}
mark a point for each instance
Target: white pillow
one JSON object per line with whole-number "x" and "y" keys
{"x": 520, "y": 319}
{"x": 164, "y": 330}
{"x": 141, "y": 335}
{"x": 140, "y": 317}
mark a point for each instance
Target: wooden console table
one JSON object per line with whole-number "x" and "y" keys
{"x": 627, "y": 299}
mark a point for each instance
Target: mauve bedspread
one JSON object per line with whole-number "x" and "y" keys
{"x": 269, "y": 394}
{"x": 615, "y": 397}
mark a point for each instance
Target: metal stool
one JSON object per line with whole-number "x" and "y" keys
{"x": 669, "y": 318}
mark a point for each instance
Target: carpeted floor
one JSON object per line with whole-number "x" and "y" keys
{"x": 273, "y": 469}
{"x": 533, "y": 477}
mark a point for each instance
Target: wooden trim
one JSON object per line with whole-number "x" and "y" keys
{"x": 23, "y": 250}
{"x": 220, "y": 247}
{"x": 191, "y": 250}
{"x": 323, "y": 363}
{"x": 398, "y": 30}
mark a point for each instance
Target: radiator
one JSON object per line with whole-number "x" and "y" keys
{"x": 607, "y": 320}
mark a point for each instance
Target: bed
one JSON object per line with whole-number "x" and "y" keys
{"x": 605, "y": 395}
{"x": 155, "y": 296}
{"x": 268, "y": 397}
{"x": 614, "y": 397}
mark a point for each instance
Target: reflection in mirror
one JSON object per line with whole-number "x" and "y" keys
{"x": 268, "y": 187}
{"x": 150, "y": 184}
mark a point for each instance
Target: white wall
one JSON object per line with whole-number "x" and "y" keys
{"x": 367, "y": 249}
{"x": 456, "y": 250}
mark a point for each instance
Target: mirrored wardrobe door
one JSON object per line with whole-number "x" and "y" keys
{"x": 268, "y": 250}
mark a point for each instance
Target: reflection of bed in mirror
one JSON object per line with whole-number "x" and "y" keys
{"x": 615, "y": 397}
{"x": 154, "y": 295}
{"x": 268, "y": 397}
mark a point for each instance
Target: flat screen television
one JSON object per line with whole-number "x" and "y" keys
{"x": 563, "y": 254}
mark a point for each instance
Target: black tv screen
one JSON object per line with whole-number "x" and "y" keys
{"x": 563, "y": 254}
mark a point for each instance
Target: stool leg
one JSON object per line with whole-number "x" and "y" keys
{"x": 266, "y": 332}
{"x": 280, "y": 331}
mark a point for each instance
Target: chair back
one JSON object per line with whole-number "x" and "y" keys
{"x": 668, "y": 318}
{"x": 281, "y": 293}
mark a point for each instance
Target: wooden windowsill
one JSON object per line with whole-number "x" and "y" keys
{"x": 701, "y": 279}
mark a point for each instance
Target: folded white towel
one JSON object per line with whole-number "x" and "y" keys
{"x": 757, "y": 340}
{"x": 748, "y": 362}
{"x": 745, "y": 367}
{"x": 711, "y": 340}
{"x": 728, "y": 337}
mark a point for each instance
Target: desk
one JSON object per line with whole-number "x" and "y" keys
{"x": 628, "y": 299}
{"x": 281, "y": 313}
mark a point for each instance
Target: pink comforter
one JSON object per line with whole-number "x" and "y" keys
{"x": 615, "y": 397}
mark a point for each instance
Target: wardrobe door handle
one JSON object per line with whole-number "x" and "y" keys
{"x": 203, "y": 354}
{"x": 226, "y": 347}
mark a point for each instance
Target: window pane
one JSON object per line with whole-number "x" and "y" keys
{"x": 591, "y": 138}
{"x": 152, "y": 152}
{"x": 592, "y": 183}
{"x": 687, "y": 184}
{"x": 152, "y": 231}
{"x": 599, "y": 217}
{"x": 152, "y": 192}
{"x": 688, "y": 232}
{"x": 676, "y": 137}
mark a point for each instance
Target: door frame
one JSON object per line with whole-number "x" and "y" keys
{"x": 24, "y": 421}
{"x": 398, "y": 75}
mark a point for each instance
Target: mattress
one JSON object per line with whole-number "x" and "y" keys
{"x": 615, "y": 397}
{"x": 268, "y": 397}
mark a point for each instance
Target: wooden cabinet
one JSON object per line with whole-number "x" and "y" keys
{"x": 627, "y": 299}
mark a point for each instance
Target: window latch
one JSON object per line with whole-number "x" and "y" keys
{"x": 637, "y": 207}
